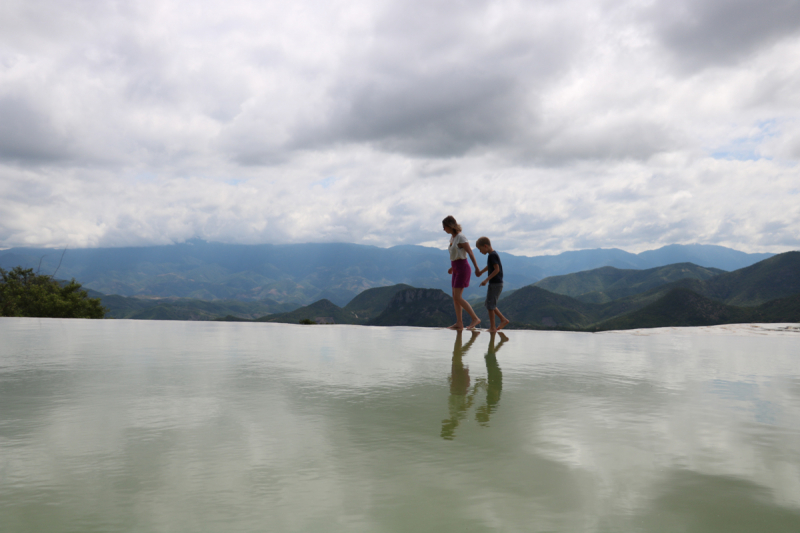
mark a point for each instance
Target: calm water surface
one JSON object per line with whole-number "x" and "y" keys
{"x": 123, "y": 425}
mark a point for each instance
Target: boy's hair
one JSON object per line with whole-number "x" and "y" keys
{"x": 483, "y": 241}
{"x": 451, "y": 223}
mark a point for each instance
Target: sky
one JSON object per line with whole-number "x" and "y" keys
{"x": 545, "y": 125}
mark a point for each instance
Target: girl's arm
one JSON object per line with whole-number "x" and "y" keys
{"x": 467, "y": 247}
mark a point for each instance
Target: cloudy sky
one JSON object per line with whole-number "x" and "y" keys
{"x": 548, "y": 125}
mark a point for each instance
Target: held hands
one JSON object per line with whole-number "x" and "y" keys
{"x": 450, "y": 270}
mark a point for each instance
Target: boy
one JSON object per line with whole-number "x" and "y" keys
{"x": 495, "y": 281}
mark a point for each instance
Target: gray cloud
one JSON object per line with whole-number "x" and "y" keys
{"x": 29, "y": 135}
{"x": 545, "y": 125}
{"x": 721, "y": 32}
{"x": 443, "y": 115}
{"x": 438, "y": 79}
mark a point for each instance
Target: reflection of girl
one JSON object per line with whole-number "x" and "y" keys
{"x": 459, "y": 401}
{"x": 459, "y": 249}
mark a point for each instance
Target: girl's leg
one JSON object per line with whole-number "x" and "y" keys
{"x": 465, "y": 304}
{"x": 457, "y": 299}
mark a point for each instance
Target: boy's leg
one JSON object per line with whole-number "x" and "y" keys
{"x": 492, "y": 295}
{"x": 503, "y": 320}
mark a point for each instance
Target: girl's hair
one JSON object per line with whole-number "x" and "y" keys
{"x": 451, "y": 223}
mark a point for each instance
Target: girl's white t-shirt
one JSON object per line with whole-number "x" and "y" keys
{"x": 456, "y": 252}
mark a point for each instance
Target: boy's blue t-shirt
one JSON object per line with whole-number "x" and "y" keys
{"x": 493, "y": 259}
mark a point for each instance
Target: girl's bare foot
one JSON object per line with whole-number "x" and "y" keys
{"x": 456, "y": 326}
{"x": 473, "y": 324}
{"x": 503, "y": 324}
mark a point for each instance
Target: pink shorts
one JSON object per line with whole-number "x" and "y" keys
{"x": 461, "y": 274}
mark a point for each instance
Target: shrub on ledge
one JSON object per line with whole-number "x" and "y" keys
{"x": 25, "y": 293}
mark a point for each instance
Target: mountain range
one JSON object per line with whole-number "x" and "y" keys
{"x": 682, "y": 307}
{"x": 768, "y": 291}
{"x": 299, "y": 274}
{"x": 605, "y": 284}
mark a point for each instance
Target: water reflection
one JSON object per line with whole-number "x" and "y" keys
{"x": 493, "y": 383}
{"x": 459, "y": 401}
{"x": 120, "y": 426}
{"x": 461, "y": 396}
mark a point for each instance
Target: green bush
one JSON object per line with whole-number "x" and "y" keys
{"x": 307, "y": 321}
{"x": 25, "y": 293}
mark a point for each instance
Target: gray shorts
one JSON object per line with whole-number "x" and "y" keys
{"x": 492, "y": 294}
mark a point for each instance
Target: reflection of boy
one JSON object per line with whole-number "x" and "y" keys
{"x": 494, "y": 381}
{"x": 495, "y": 281}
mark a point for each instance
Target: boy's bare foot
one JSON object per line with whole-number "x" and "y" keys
{"x": 473, "y": 324}
{"x": 456, "y": 326}
{"x": 503, "y": 324}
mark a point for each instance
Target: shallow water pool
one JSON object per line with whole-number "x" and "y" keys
{"x": 121, "y": 425}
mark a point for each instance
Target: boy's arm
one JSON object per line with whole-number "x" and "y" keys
{"x": 493, "y": 274}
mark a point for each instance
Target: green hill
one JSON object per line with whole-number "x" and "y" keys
{"x": 605, "y": 284}
{"x": 682, "y": 307}
{"x": 770, "y": 279}
{"x": 533, "y": 306}
{"x": 539, "y": 307}
{"x": 527, "y": 307}
{"x": 372, "y": 302}
{"x": 679, "y": 307}
{"x": 123, "y": 306}
{"x": 418, "y": 307}
{"x": 320, "y": 308}
{"x": 780, "y": 310}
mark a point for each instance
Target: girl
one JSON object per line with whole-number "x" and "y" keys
{"x": 459, "y": 249}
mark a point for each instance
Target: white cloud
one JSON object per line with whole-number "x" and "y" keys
{"x": 547, "y": 125}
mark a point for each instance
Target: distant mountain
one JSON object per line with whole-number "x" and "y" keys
{"x": 706, "y": 255}
{"x": 370, "y": 303}
{"x": 605, "y": 284}
{"x": 185, "y": 308}
{"x": 318, "y": 309}
{"x": 773, "y": 278}
{"x": 764, "y": 290}
{"x": 418, "y": 307}
{"x": 682, "y": 307}
{"x": 709, "y": 256}
{"x": 675, "y": 303}
{"x": 304, "y": 273}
